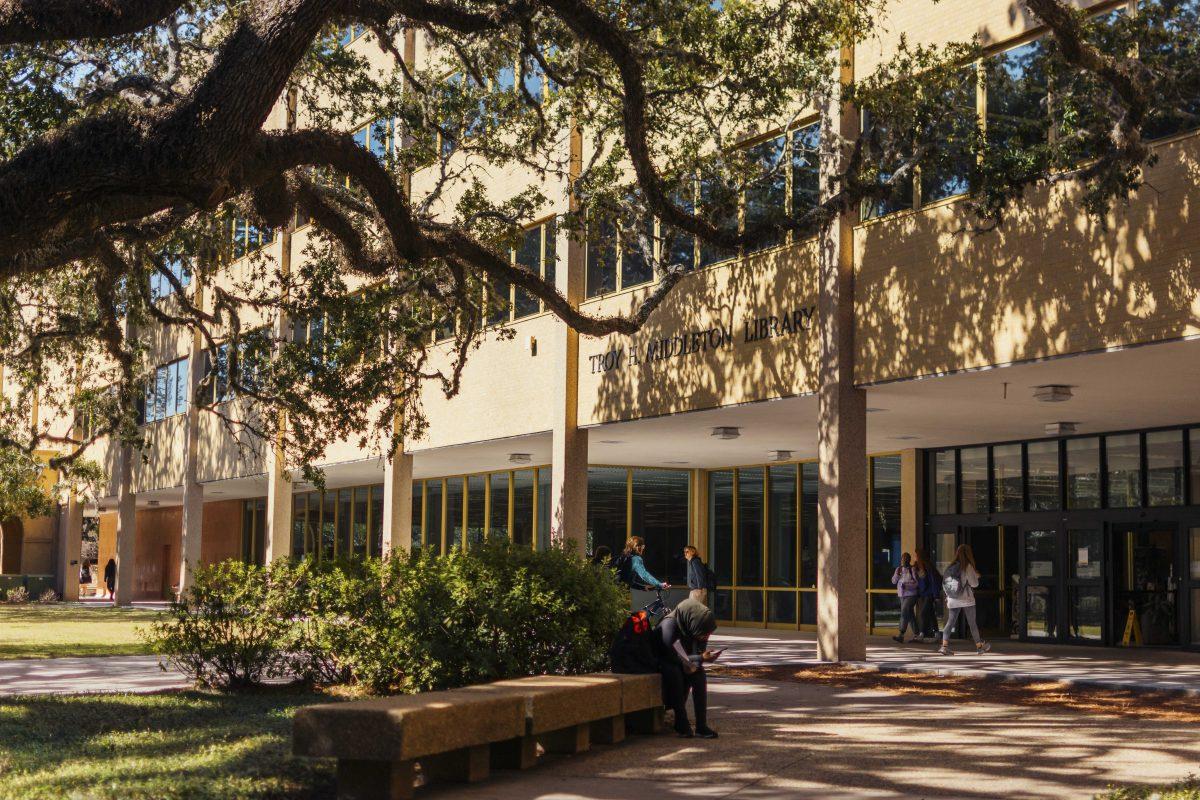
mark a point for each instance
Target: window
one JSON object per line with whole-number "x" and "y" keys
{"x": 1165, "y": 468}
{"x": 538, "y": 252}
{"x": 946, "y": 171}
{"x": 166, "y": 392}
{"x": 1043, "y": 479}
{"x": 601, "y": 267}
{"x": 254, "y": 355}
{"x": 523, "y": 506}
{"x": 720, "y": 204}
{"x": 376, "y": 137}
{"x": 901, "y": 195}
{"x": 1083, "y": 473}
{"x": 618, "y": 260}
{"x": 607, "y": 508}
{"x": 1006, "y": 474}
{"x": 498, "y": 506}
{"x": 1194, "y": 451}
{"x": 750, "y": 526}
{"x": 720, "y": 525}
{"x": 942, "y": 482}
{"x": 885, "y": 520}
{"x": 782, "y": 522}
{"x": 160, "y": 285}
{"x": 806, "y": 179}
{"x": 973, "y": 462}
{"x": 1177, "y": 108}
{"x": 766, "y": 198}
{"x": 658, "y": 503}
{"x": 245, "y": 238}
{"x": 1017, "y": 92}
{"x": 348, "y": 33}
{"x": 1124, "y": 458}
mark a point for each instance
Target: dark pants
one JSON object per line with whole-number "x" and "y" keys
{"x": 676, "y": 685}
{"x": 927, "y": 617}
{"x": 908, "y": 616}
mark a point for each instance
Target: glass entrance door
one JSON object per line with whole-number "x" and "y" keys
{"x": 1041, "y": 578}
{"x": 1145, "y": 584}
{"x": 1085, "y": 585}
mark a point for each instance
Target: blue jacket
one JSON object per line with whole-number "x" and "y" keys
{"x": 638, "y": 567}
{"x": 929, "y": 584}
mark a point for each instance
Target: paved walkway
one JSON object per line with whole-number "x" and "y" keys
{"x": 136, "y": 674}
{"x": 803, "y": 741}
{"x": 1172, "y": 670}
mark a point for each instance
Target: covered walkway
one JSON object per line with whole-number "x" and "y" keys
{"x": 1144, "y": 668}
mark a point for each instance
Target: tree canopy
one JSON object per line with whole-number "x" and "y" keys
{"x": 140, "y": 153}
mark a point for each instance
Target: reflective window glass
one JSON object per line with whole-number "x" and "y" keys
{"x": 607, "y": 508}
{"x": 660, "y": 516}
{"x": 885, "y": 520}
{"x": 1164, "y": 468}
{"x": 523, "y": 507}
{"x": 1083, "y": 473}
{"x": 1007, "y": 475}
{"x": 782, "y": 528}
{"x": 974, "y": 480}
{"x": 1124, "y": 455}
{"x": 808, "y": 524}
{"x": 942, "y": 485}
{"x": 750, "y": 529}
{"x": 720, "y": 525}
{"x": 498, "y": 506}
{"x": 1043, "y": 481}
{"x": 476, "y": 497}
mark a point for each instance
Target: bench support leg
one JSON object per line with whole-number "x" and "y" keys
{"x": 609, "y": 731}
{"x": 518, "y": 753}
{"x": 374, "y": 780}
{"x": 568, "y": 741}
{"x": 646, "y": 721}
{"x": 468, "y": 765}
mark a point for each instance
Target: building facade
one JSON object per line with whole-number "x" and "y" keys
{"x": 1031, "y": 392}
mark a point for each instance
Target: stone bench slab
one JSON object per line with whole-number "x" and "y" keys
{"x": 555, "y": 702}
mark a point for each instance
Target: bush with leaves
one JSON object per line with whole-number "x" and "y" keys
{"x": 18, "y": 595}
{"x": 47, "y": 597}
{"x": 233, "y": 628}
{"x": 425, "y": 622}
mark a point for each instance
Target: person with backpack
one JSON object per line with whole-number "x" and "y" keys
{"x": 929, "y": 591}
{"x": 907, "y": 588}
{"x": 631, "y": 569}
{"x": 602, "y": 557}
{"x": 959, "y": 583}
{"x": 701, "y": 580}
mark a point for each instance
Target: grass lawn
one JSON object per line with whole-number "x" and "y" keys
{"x": 52, "y": 631}
{"x": 1184, "y": 790}
{"x": 160, "y": 747}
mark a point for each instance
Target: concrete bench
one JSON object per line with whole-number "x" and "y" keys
{"x": 460, "y": 735}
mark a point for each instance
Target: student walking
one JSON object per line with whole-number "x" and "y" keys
{"x": 929, "y": 591}
{"x": 700, "y": 579}
{"x": 110, "y": 578}
{"x": 631, "y": 569}
{"x": 908, "y": 590}
{"x": 959, "y": 583}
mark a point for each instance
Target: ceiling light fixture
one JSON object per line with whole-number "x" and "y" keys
{"x": 152, "y": 503}
{"x": 520, "y": 458}
{"x": 1052, "y": 393}
{"x": 779, "y": 455}
{"x": 1060, "y": 428}
{"x": 612, "y": 441}
{"x": 726, "y": 432}
{"x": 905, "y": 437}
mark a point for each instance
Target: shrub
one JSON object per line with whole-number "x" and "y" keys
{"x": 230, "y": 630}
{"x": 48, "y": 596}
{"x": 18, "y": 595}
{"x": 497, "y": 611}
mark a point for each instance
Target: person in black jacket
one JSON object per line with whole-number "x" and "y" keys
{"x": 110, "y": 578}
{"x": 699, "y": 577}
{"x": 682, "y": 644}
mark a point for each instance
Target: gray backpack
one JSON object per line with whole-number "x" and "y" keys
{"x": 953, "y": 583}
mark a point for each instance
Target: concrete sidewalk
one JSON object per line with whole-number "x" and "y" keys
{"x": 1168, "y": 670}
{"x": 135, "y": 674}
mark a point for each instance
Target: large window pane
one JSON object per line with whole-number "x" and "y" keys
{"x": 299, "y": 506}
{"x": 1124, "y": 454}
{"x": 433, "y": 516}
{"x": 607, "y": 508}
{"x": 1042, "y": 460}
{"x": 1041, "y": 616}
{"x": 781, "y": 529}
{"x": 601, "y": 259}
{"x": 1085, "y": 612}
{"x": 1194, "y": 452}
{"x": 345, "y": 516}
{"x": 720, "y": 203}
{"x": 946, "y": 171}
{"x": 636, "y": 269}
{"x": 1164, "y": 468}
{"x": 358, "y": 530}
{"x": 808, "y": 525}
{"x": 476, "y": 497}
{"x": 529, "y": 255}
{"x": 1016, "y": 98}
{"x": 942, "y": 486}
{"x": 1006, "y": 469}
{"x": 766, "y": 197}
{"x": 498, "y": 512}
{"x": 1087, "y": 554}
{"x": 544, "y": 504}
{"x": 418, "y": 514}
{"x": 376, "y": 532}
{"x": 885, "y": 520}
{"x": 974, "y": 480}
{"x": 720, "y": 525}
{"x": 749, "y": 606}
{"x": 901, "y": 195}
{"x": 806, "y": 184}
{"x": 1083, "y": 473}
{"x": 329, "y": 525}
{"x": 523, "y": 507}
{"x": 312, "y": 533}
{"x": 750, "y": 528}
{"x": 1041, "y": 555}
{"x": 454, "y": 513}
{"x": 781, "y": 608}
{"x": 660, "y": 516}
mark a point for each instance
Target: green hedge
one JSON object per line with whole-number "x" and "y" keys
{"x": 409, "y": 623}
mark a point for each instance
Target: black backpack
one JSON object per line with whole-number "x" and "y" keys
{"x": 710, "y": 578}
{"x": 623, "y": 564}
{"x": 633, "y": 651}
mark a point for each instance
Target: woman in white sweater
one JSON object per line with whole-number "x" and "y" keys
{"x": 960, "y": 581}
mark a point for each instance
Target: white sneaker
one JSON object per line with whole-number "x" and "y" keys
{"x": 982, "y": 648}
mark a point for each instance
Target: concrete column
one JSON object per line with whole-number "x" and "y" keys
{"x": 193, "y": 491}
{"x": 279, "y": 506}
{"x": 126, "y": 527}
{"x": 70, "y": 543}
{"x": 569, "y": 454}
{"x": 910, "y": 500}
{"x": 841, "y": 418}
{"x": 397, "y": 501}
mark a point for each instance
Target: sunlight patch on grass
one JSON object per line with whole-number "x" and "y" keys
{"x": 60, "y": 630}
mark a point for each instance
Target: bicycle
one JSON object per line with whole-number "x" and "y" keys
{"x": 656, "y": 607}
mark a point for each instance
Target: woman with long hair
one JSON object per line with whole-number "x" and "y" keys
{"x": 929, "y": 591}
{"x": 907, "y": 586}
{"x": 960, "y": 582}
{"x": 631, "y": 569}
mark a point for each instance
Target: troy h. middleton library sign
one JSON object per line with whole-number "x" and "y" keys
{"x": 718, "y": 337}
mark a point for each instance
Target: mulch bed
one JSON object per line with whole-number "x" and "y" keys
{"x": 1156, "y": 705}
